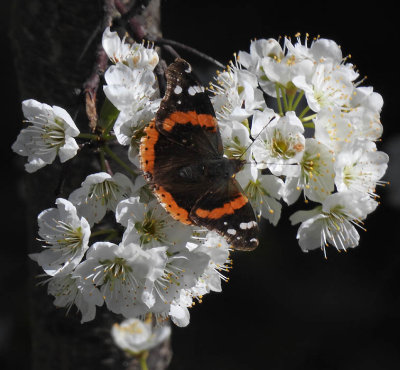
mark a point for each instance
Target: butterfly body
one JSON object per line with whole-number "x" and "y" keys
{"x": 183, "y": 161}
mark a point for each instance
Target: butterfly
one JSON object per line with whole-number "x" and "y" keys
{"x": 182, "y": 158}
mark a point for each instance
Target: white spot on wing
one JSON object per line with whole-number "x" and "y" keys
{"x": 193, "y": 90}
{"x": 247, "y": 225}
{"x": 231, "y": 231}
{"x": 177, "y": 90}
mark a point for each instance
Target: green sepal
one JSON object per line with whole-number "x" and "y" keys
{"x": 108, "y": 116}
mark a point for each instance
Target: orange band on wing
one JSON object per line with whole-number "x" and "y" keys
{"x": 168, "y": 202}
{"x": 227, "y": 209}
{"x": 203, "y": 120}
{"x": 147, "y": 144}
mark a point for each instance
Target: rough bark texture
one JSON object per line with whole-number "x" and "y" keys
{"x": 54, "y": 47}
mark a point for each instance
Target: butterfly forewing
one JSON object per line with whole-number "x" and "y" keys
{"x": 186, "y": 114}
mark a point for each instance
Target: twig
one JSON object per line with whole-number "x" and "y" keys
{"x": 128, "y": 17}
{"x": 162, "y": 42}
{"x": 138, "y": 33}
{"x": 92, "y": 83}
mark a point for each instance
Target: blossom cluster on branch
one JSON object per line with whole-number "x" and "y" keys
{"x": 295, "y": 111}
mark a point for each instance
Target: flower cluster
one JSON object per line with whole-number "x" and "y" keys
{"x": 294, "y": 111}
{"x": 147, "y": 262}
{"x": 310, "y": 129}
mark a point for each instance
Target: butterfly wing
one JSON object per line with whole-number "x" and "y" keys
{"x": 183, "y": 133}
{"x": 226, "y": 209}
{"x": 186, "y": 115}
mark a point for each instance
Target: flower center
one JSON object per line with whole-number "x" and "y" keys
{"x": 71, "y": 240}
{"x": 115, "y": 270}
{"x": 53, "y": 133}
{"x": 285, "y": 148}
{"x": 106, "y": 191}
{"x": 348, "y": 175}
{"x": 150, "y": 228}
{"x": 310, "y": 165}
{"x": 234, "y": 149}
{"x": 134, "y": 328}
{"x": 254, "y": 190}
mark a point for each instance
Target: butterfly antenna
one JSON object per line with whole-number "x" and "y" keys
{"x": 255, "y": 138}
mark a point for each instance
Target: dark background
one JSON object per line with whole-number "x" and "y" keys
{"x": 282, "y": 309}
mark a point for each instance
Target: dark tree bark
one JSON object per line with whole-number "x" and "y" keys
{"x": 56, "y": 52}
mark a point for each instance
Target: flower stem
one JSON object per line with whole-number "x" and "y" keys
{"x": 108, "y": 128}
{"x": 103, "y": 161}
{"x": 309, "y": 125}
{"x": 290, "y": 102}
{"x": 110, "y": 153}
{"x": 305, "y": 110}
{"x": 297, "y": 101}
{"x": 308, "y": 118}
{"x": 278, "y": 98}
{"x": 143, "y": 360}
{"x": 285, "y": 102}
{"x": 102, "y": 232}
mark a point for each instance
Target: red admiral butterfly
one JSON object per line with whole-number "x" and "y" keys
{"x": 182, "y": 160}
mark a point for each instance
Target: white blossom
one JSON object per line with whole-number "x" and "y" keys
{"x": 333, "y": 223}
{"x": 316, "y": 177}
{"x": 260, "y": 49}
{"x": 359, "y": 167}
{"x": 216, "y": 247}
{"x": 280, "y": 142}
{"x": 51, "y": 132}
{"x": 236, "y": 140}
{"x": 121, "y": 272}
{"x": 149, "y": 225}
{"x": 329, "y": 86}
{"x": 129, "y": 129}
{"x": 65, "y": 237}
{"x": 69, "y": 290}
{"x": 182, "y": 271}
{"x": 320, "y": 50}
{"x": 264, "y": 192}
{"x": 135, "y": 336}
{"x": 282, "y": 70}
{"x": 134, "y": 55}
{"x": 236, "y": 95}
{"x": 131, "y": 90}
{"x": 99, "y": 193}
{"x": 334, "y": 128}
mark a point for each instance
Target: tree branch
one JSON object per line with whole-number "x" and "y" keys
{"x": 92, "y": 83}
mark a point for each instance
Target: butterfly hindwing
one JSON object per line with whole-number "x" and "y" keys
{"x": 225, "y": 209}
